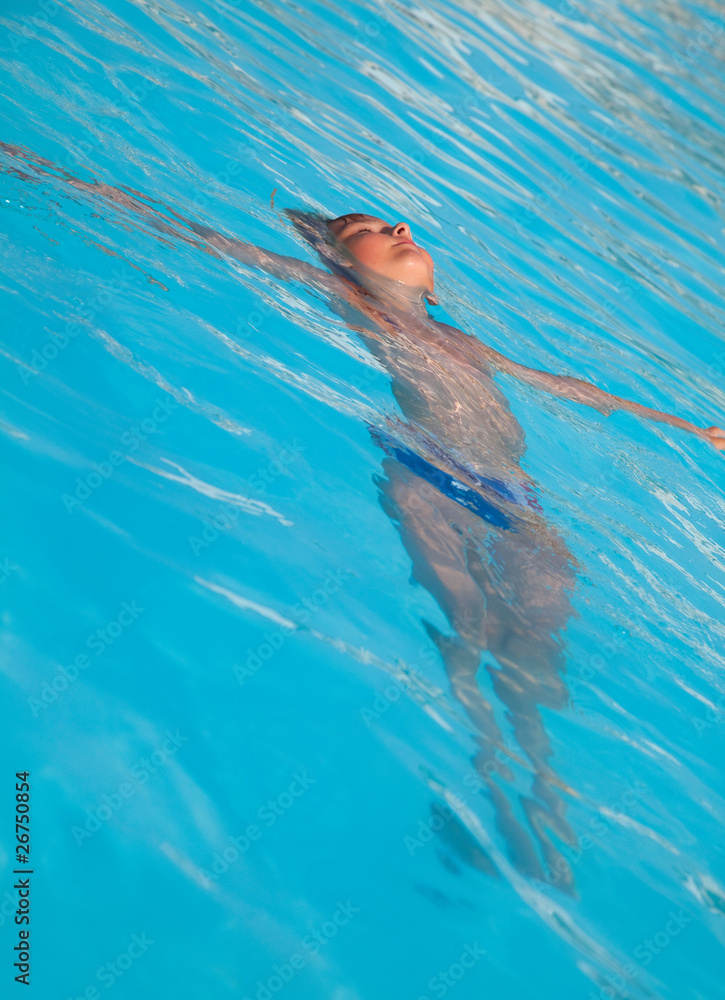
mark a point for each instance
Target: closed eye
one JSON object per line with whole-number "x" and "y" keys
{"x": 361, "y": 227}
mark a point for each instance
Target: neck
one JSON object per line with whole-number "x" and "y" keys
{"x": 396, "y": 294}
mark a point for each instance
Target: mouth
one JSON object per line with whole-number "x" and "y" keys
{"x": 401, "y": 243}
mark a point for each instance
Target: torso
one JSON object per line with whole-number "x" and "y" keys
{"x": 443, "y": 385}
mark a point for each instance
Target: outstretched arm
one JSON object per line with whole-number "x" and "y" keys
{"x": 287, "y": 268}
{"x": 578, "y": 391}
{"x": 167, "y": 221}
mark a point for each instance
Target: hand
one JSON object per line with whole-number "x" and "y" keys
{"x": 716, "y": 437}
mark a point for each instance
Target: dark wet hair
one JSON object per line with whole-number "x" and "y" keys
{"x": 315, "y": 230}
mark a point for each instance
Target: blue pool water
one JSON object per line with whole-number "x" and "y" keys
{"x": 262, "y": 776}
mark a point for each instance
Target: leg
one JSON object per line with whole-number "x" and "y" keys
{"x": 506, "y": 592}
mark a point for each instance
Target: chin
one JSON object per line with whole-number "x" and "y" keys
{"x": 415, "y": 279}
{"x": 411, "y": 272}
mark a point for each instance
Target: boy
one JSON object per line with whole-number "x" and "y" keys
{"x": 467, "y": 512}
{"x": 453, "y": 485}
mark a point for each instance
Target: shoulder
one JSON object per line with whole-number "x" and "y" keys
{"x": 466, "y": 344}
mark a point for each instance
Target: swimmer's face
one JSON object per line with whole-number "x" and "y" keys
{"x": 385, "y": 249}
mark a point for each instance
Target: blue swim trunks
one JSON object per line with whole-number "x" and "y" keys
{"x": 454, "y": 486}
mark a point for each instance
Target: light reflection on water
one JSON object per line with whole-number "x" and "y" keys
{"x": 514, "y": 735}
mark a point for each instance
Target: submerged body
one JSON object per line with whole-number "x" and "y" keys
{"x": 453, "y": 485}
{"x": 469, "y": 520}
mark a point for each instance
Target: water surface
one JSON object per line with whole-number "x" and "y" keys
{"x": 289, "y": 669}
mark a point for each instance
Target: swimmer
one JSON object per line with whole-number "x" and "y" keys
{"x": 453, "y": 486}
{"x": 465, "y": 510}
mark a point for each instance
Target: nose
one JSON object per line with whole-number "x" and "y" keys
{"x": 402, "y": 229}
